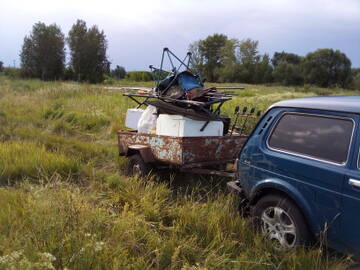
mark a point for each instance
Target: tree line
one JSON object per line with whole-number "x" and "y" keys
{"x": 217, "y": 57}
{"x": 43, "y": 54}
{"x": 221, "y": 59}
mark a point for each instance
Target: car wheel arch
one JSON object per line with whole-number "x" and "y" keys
{"x": 292, "y": 195}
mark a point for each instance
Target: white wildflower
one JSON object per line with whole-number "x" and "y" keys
{"x": 48, "y": 257}
{"x": 11, "y": 258}
{"x": 99, "y": 246}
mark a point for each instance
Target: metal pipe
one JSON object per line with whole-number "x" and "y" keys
{"x": 247, "y": 116}
{"x": 236, "y": 119}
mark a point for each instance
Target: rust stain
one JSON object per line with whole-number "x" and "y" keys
{"x": 184, "y": 150}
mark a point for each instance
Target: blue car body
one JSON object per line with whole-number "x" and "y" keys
{"x": 326, "y": 192}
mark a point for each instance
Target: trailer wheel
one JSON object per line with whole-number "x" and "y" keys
{"x": 137, "y": 166}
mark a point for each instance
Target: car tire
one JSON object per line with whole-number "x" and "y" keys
{"x": 281, "y": 221}
{"x": 137, "y": 166}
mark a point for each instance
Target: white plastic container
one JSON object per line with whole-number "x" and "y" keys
{"x": 132, "y": 118}
{"x": 181, "y": 126}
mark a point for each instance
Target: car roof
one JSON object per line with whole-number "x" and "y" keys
{"x": 334, "y": 103}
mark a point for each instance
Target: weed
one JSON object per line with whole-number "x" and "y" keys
{"x": 54, "y": 134}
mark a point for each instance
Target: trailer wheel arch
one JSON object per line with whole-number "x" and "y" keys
{"x": 137, "y": 166}
{"x": 142, "y": 150}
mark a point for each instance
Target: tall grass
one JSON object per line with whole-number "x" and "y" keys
{"x": 22, "y": 159}
{"x": 90, "y": 217}
{"x": 136, "y": 225}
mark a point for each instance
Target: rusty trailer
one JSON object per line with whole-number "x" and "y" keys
{"x": 203, "y": 155}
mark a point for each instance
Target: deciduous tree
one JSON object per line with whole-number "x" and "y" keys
{"x": 327, "y": 68}
{"x": 43, "y": 52}
{"x": 287, "y": 68}
{"x": 288, "y": 74}
{"x": 197, "y": 57}
{"x": 281, "y": 57}
{"x": 211, "y": 51}
{"x": 88, "y": 52}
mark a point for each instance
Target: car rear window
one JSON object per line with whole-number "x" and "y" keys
{"x": 319, "y": 137}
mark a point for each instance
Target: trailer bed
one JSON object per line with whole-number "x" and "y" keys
{"x": 183, "y": 151}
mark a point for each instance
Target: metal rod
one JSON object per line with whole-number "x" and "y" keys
{"x": 243, "y": 114}
{"x": 204, "y": 126}
{"x": 177, "y": 58}
{"x": 236, "y": 119}
{"x": 247, "y": 116}
{"x": 161, "y": 65}
{"x": 182, "y": 63}
{"x": 172, "y": 65}
{"x": 190, "y": 57}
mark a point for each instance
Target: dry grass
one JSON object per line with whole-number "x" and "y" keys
{"x": 73, "y": 210}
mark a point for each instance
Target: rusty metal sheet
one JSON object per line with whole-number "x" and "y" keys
{"x": 204, "y": 149}
{"x": 185, "y": 150}
{"x": 163, "y": 148}
{"x": 167, "y": 149}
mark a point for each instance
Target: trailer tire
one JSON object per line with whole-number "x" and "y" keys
{"x": 137, "y": 166}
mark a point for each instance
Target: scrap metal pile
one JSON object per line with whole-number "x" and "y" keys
{"x": 181, "y": 92}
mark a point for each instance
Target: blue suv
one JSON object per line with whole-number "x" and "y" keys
{"x": 299, "y": 172}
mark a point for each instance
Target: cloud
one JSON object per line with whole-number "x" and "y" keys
{"x": 137, "y": 30}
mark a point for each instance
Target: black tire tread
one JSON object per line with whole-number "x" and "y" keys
{"x": 137, "y": 159}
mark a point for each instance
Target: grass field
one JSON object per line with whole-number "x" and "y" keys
{"x": 64, "y": 204}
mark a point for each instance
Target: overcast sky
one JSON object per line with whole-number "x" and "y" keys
{"x": 137, "y": 30}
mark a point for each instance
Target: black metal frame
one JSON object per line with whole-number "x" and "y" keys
{"x": 175, "y": 70}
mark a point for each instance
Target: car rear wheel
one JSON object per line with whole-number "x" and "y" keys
{"x": 281, "y": 222}
{"x": 137, "y": 166}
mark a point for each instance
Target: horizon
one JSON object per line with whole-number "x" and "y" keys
{"x": 137, "y": 31}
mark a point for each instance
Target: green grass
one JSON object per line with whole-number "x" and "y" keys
{"x": 23, "y": 159}
{"x": 65, "y": 205}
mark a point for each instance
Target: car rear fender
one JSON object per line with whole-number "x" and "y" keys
{"x": 274, "y": 185}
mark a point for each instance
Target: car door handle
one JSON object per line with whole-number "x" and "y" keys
{"x": 354, "y": 182}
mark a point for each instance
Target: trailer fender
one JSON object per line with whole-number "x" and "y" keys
{"x": 144, "y": 150}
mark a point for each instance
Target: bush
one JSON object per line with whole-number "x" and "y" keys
{"x": 288, "y": 74}
{"x": 356, "y": 82}
{"x": 13, "y": 72}
{"x": 139, "y": 76}
{"x": 118, "y": 73}
{"x": 108, "y": 80}
{"x": 69, "y": 74}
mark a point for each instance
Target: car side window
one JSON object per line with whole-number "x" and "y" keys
{"x": 320, "y": 137}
